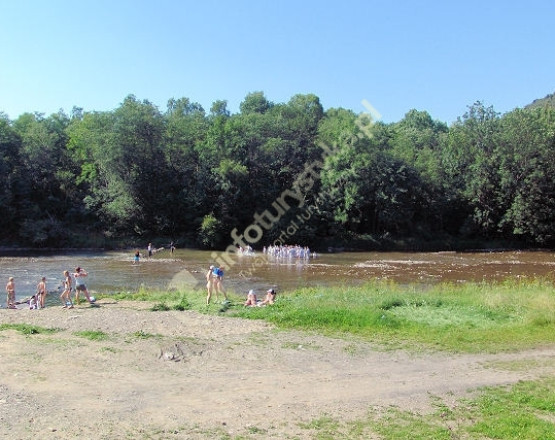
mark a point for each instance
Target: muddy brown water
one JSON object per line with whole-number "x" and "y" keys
{"x": 111, "y": 272}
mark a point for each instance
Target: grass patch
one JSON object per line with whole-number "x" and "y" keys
{"x": 93, "y": 335}
{"x": 143, "y": 294}
{"x": 28, "y": 329}
{"x": 163, "y": 300}
{"x": 182, "y": 305}
{"x": 525, "y": 410}
{"x": 473, "y": 317}
{"x": 140, "y": 334}
{"x": 469, "y": 317}
{"x": 160, "y": 307}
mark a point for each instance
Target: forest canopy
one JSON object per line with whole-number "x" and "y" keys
{"x": 195, "y": 177}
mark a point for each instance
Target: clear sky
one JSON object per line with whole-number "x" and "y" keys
{"x": 438, "y": 56}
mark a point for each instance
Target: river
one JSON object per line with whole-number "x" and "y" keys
{"x": 114, "y": 271}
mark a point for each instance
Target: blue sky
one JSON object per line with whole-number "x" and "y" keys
{"x": 429, "y": 55}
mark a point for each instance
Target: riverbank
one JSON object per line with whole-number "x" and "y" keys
{"x": 120, "y": 370}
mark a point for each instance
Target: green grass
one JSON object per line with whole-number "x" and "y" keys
{"x": 93, "y": 335}
{"x": 164, "y": 300}
{"x": 525, "y": 410}
{"x": 468, "y": 317}
{"x": 28, "y": 329}
{"x": 140, "y": 334}
{"x": 461, "y": 318}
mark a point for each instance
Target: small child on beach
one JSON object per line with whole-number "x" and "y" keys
{"x": 33, "y": 303}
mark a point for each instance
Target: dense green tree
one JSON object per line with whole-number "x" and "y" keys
{"x": 185, "y": 174}
{"x": 374, "y": 192}
{"x": 188, "y": 192}
{"x": 10, "y": 144}
{"x": 526, "y": 168}
{"x": 45, "y": 192}
{"x": 255, "y": 102}
{"x": 471, "y": 164}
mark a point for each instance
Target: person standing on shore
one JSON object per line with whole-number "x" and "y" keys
{"x": 218, "y": 281}
{"x": 80, "y": 284}
{"x": 209, "y": 284}
{"x": 66, "y": 294}
{"x": 149, "y": 249}
{"x": 10, "y": 290}
{"x": 41, "y": 293}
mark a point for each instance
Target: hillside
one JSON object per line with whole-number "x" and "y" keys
{"x": 549, "y": 100}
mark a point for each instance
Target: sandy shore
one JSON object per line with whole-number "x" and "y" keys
{"x": 183, "y": 375}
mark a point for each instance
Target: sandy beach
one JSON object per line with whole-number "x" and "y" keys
{"x": 184, "y": 375}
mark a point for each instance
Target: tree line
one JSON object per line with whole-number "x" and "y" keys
{"x": 192, "y": 177}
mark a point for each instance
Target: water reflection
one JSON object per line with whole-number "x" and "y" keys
{"x": 114, "y": 271}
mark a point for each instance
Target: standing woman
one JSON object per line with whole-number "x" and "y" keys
{"x": 41, "y": 292}
{"x": 80, "y": 284}
{"x": 209, "y": 284}
{"x": 218, "y": 281}
{"x": 66, "y": 294}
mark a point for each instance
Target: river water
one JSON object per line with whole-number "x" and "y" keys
{"x": 111, "y": 272}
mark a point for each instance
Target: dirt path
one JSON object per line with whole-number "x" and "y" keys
{"x": 188, "y": 376}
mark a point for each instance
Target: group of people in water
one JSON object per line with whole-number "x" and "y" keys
{"x": 150, "y": 251}
{"x": 37, "y": 301}
{"x": 288, "y": 252}
{"x": 214, "y": 283}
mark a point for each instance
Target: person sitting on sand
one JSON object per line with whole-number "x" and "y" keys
{"x": 33, "y": 303}
{"x": 10, "y": 290}
{"x": 270, "y": 297}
